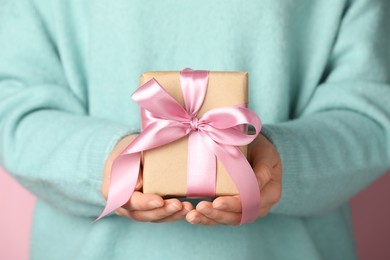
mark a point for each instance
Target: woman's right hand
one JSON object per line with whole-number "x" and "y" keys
{"x": 143, "y": 207}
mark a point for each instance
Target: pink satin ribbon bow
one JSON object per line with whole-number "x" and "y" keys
{"x": 217, "y": 133}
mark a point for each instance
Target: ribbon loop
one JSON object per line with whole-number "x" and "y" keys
{"x": 154, "y": 99}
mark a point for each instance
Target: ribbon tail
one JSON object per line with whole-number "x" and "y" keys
{"x": 201, "y": 168}
{"x": 246, "y": 182}
{"x": 123, "y": 179}
{"x": 243, "y": 177}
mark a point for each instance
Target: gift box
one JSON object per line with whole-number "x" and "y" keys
{"x": 165, "y": 167}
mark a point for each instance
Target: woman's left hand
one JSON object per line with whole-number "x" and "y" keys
{"x": 226, "y": 210}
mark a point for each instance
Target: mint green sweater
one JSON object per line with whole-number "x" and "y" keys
{"x": 319, "y": 77}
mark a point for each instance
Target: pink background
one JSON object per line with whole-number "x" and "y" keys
{"x": 370, "y": 210}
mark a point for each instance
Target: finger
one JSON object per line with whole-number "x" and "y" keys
{"x": 122, "y": 212}
{"x": 263, "y": 174}
{"x": 140, "y": 183}
{"x": 106, "y": 184}
{"x": 196, "y": 218}
{"x": 228, "y": 203}
{"x": 187, "y": 207}
{"x": 171, "y": 206}
{"x": 141, "y": 201}
{"x": 271, "y": 194}
{"x": 264, "y": 211}
{"x": 219, "y": 216}
{"x": 264, "y": 150}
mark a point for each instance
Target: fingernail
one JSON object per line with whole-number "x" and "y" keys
{"x": 171, "y": 208}
{"x": 188, "y": 208}
{"x": 155, "y": 204}
{"x": 220, "y": 206}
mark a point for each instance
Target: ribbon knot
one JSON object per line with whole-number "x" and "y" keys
{"x": 164, "y": 120}
{"x": 194, "y": 123}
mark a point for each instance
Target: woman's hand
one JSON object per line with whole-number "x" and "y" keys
{"x": 226, "y": 210}
{"x": 144, "y": 207}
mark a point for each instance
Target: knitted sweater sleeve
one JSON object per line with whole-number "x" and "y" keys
{"x": 340, "y": 142}
{"x": 48, "y": 141}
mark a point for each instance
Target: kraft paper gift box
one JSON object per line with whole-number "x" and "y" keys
{"x": 165, "y": 167}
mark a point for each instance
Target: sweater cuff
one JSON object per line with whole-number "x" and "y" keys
{"x": 103, "y": 142}
{"x": 280, "y": 137}
{"x": 102, "y": 145}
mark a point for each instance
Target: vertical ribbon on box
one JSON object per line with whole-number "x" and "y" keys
{"x": 216, "y": 134}
{"x": 201, "y": 162}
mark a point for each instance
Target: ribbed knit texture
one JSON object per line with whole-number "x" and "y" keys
{"x": 318, "y": 77}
